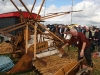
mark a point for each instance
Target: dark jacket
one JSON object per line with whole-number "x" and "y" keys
{"x": 97, "y": 36}
{"x": 62, "y": 31}
{"x": 90, "y": 34}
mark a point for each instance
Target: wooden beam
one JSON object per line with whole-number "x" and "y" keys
{"x": 18, "y": 9}
{"x": 40, "y": 8}
{"x": 7, "y": 31}
{"x": 57, "y": 14}
{"x": 50, "y": 32}
{"x": 26, "y": 8}
{"x": 33, "y": 5}
{"x": 54, "y": 15}
{"x": 13, "y": 26}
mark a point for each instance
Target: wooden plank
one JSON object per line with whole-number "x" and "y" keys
{"x": 65, "y": 69}
{"x": 60, "y": 72}
{"x": 70, "y": 69}
{"x": 25, "y": 63}
{"x": 40, "y": 46}
{"x": 68, "y": 66}
{"x": 75, "y": 68}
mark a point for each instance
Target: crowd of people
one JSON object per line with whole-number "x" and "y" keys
{"x": 92, "y": 32}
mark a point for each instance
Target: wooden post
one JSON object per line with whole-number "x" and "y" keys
{"x": 40, "y": 8}
{"x": 26, "y": 39}
{"x": 18, "y": 9}
{"x": 33, "y": 5}
{"x": 35, "y": 41}
{"x": 54, "y": 15}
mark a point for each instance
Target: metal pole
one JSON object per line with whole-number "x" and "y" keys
{"x": 72, "y": 12}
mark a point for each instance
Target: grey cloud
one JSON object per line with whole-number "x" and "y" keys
{"x": 89, "y": 10}
{"x": 84, "y": 21}
{"x": 93, "y": 22}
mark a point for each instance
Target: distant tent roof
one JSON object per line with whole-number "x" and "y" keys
{"x": 17, "y": 14}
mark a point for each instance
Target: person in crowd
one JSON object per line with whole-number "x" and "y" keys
{"x": 88, "y": 34}
{"x": 47, "y": 27}
{"x": 92, "y": 29}
{"x": 65, "y": 31}
{"x": 67, "y": 34}
{"x": 57, "y": 30}
{"x": 61, "y": 31}
{"x": 53, "y": 28}
{"x": 80, "y": 41}
{"x": 97, "y": 39}
{"x": 83, "y": 29}
{"x": 79, "y": 28}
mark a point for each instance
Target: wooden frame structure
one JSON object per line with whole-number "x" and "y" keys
{"x": 34, "y": 23}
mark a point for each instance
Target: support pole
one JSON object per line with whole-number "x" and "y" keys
{"x": 35, "y": 41}
{"x": 26, "y": 39}
{"x": 72, "y": 12}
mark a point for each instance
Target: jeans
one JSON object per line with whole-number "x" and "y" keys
{"x": 87, "y": 54}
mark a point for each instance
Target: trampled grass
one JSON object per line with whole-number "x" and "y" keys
{"x": 72, "y": 55}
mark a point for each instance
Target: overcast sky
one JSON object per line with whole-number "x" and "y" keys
{"x": 89, "y": 16}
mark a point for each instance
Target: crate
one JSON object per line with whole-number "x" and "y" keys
{"x": 5, "y": 64}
